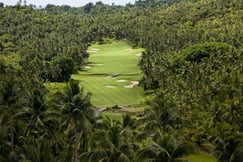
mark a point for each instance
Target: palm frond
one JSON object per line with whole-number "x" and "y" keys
{"x": 237, "y": 155}
{"x": 145, "y": 154}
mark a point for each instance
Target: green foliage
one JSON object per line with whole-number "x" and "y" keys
{"x": 43, "y": 41}
{"x": 197, "y": 105}
{"x": 166, "y": 149}
{"x": 63, "y": 67}
{"x": 197, "y": 52}
{"x": 237, "y": 156}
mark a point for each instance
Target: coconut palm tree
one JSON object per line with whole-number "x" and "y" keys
{"x": 76, "y": 116}
{"x": 166, "y": 148}
{"x": 229, "y": 148}
{"x": 112, "y": 142}
{"x": 163, "y": 116}
{"x": 34, "y": 117}
{"x": 237, "y": 155}
{"x": 11, "y": 128}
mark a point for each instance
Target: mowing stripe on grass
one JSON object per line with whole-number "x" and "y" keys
{"x": 114, "y": 58}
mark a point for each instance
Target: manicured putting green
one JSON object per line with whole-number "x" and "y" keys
{"x": 115, "y": 59}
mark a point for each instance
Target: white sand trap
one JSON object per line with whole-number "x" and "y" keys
{"x": 121, "y": 81}
{"x": 133, "y": 83}
{"x": 139, "y": 54}
{"x": 95, "y": 64}
{"x": 93, "y": 50}
{"x": 87, "y": 67}
{"x": 129, "y": 49}
{"x": 109, "y": 86}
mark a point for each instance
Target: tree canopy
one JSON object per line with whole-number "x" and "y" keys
{"x": 192, "y": 75}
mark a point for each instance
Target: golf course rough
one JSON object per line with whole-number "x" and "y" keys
{"x": 112, "y": 74}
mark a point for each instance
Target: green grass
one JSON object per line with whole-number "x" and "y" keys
{"x": 108, "y": 59}
{"x": 201, "y": 157}
{"x": 117, "y": 57}
{"x": 113, "y": 116}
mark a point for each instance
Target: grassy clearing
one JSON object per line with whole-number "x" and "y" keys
{"x": 113, "y": 116}
{"x": 115, "y": 58}
{"x": 201, "y": 157}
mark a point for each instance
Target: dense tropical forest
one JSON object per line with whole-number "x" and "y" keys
{"x": 192, "y": 76}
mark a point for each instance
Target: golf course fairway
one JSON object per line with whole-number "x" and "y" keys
{"x": 112, "y": 74}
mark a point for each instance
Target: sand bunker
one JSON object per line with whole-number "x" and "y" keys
{"x": 109, "y": 86}
{"x": 129, "y": 49}
{"x": 121, "y": 81}
{"x": 139, "y": 54}
{"x": 95, "y": 64}
{"x": 87, "y": 67}
{"x": 133, "y": 83}
{"x": 92, "y": 50}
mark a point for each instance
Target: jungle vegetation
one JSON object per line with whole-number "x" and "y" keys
{"x": 192, "y": 74}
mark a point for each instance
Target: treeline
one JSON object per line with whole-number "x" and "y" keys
{"x": 193, "y": 64}
{"x": 49, "y": 46}
{"x": 192, "y": 74}
{"x": 101, "y": 8}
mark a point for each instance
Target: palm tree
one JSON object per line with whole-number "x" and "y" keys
{"x": 163, "y": 116}
{"x": 35, "y": 111}
{"x": 237, "y": 155}
{"x": 10, "y": 90}
{"x": 229, "y": 148}
{"x": 33, "y": 117}
{"x": 76, "y": 115}
{"x": 112, "y": 142}
{"x": 165, "y": 149}
{"x": 10, "y": 127}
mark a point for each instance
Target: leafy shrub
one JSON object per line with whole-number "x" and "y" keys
{"x": 63, "y": 67}
{"x": 197, "y": 52}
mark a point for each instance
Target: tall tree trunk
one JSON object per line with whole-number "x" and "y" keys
{"x": 75, "y": 151}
